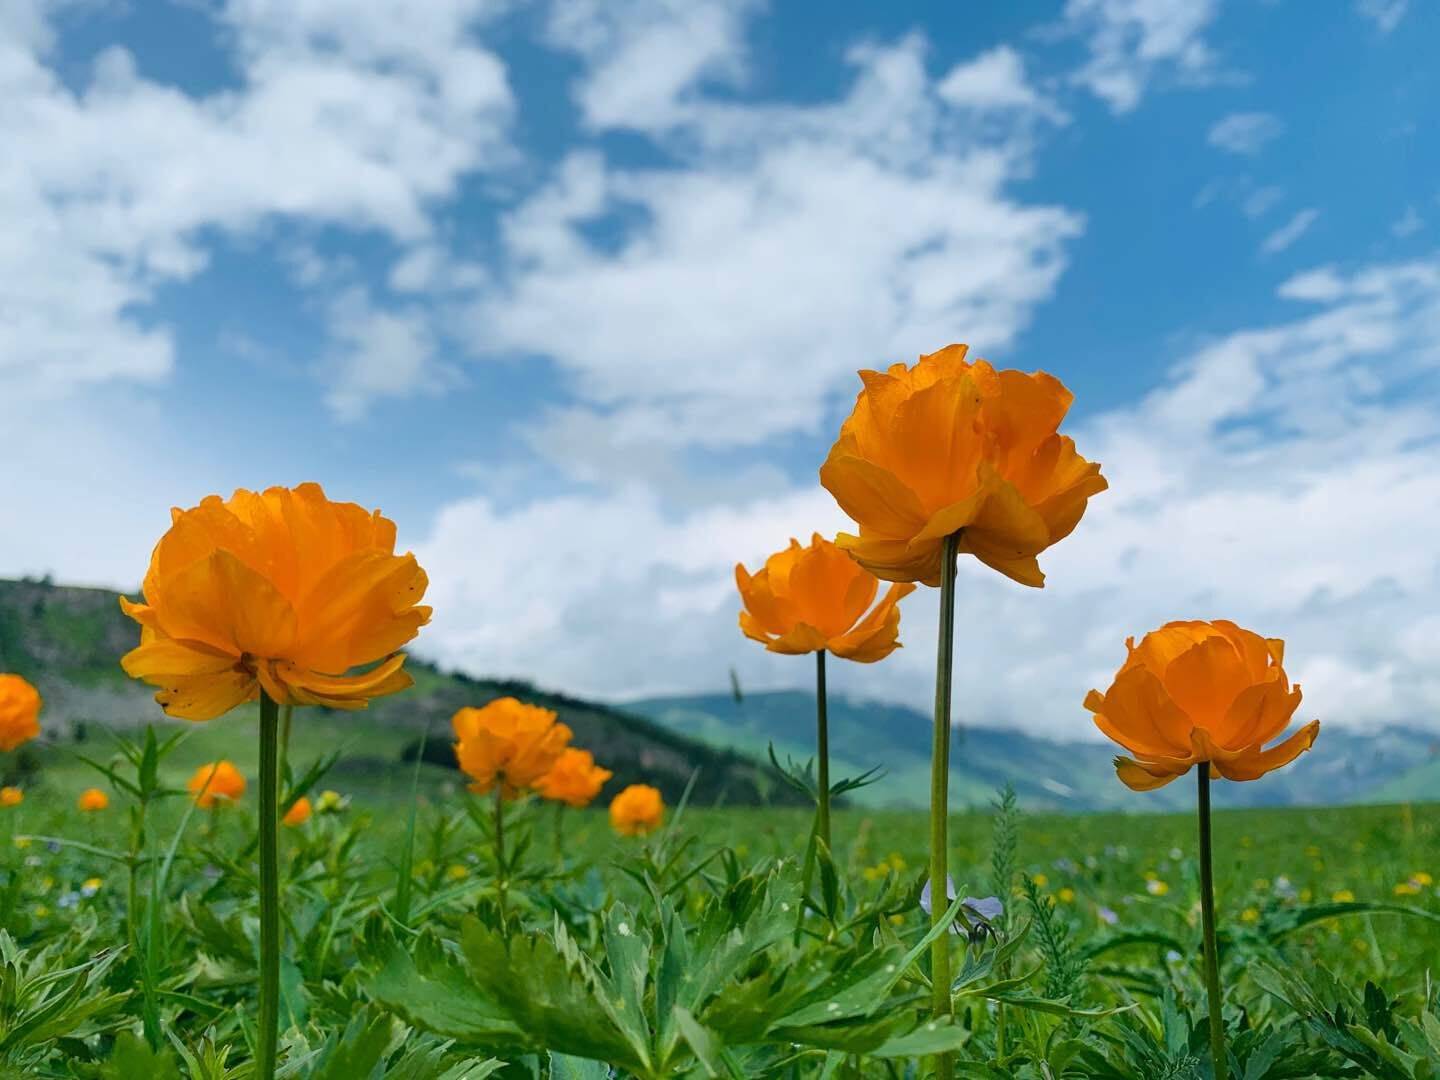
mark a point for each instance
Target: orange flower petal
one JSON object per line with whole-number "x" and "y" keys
{"x": 1144, "y": 776}
{"x": 1256, "y": 763}
{"x": 204, "y": 697}
{"x": 873, "y": 495}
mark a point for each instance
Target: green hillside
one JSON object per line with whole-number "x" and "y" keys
{"x": 1344, "y": 767}
{"x": 68, "y": 642}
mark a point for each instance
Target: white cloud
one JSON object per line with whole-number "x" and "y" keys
{"x": 995, "y": 80}
{"x": 794, "y": 246}
{"x": 1132, "y": 43}
{"x": 1261, "y": 200}
{"x": 645, "y": 57}
{"x": 377, "y": 354}
{"x": 1290, "y": 232}
{"x": 1408, "y": 224}
{"x": 352, "y": 114}
{"x": 1245, "y": 132}
{"x": 1386, "y": 14}
{"x": 1279, "y": 478}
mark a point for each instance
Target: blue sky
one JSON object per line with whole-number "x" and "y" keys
{"x": 576, "y": 290}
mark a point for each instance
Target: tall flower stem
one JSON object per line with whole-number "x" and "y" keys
{"x": 940, "y": 793}
{"x": 1207, "y": 915}
{"x": 269, "y": 1024}
{"x": 822, "y": 752}
{"x": 500, "y": 869}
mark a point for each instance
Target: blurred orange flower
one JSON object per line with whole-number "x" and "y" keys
{"x": 92, "y": 799}
{"x": 637, "y": 810}
{"x": 283, "y": 590}
{"x": 1200, "y": 691}
{"x": 809, "y": 598}
{"x": 509, "y": 743}
{"x": 11, "y": 796}
{"x": 574, "y": 779}
{"x": 952, "y": 446}
{"x": 19, "y": 712}
{"x": 216, "y": 781}
{"x": 299, "y": 813}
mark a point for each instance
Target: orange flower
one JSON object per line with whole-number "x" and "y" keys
{"x": 637, "y": 810}
{"x": 11, "y": 796}
{"x": 509, "y": 743}
{"x": 214, "y": 782}
{"x": 1200, "y": 691}
{"x": 19, "y": 712}
{"x": 574, "y": 779}
{"x": 812, "y": 598}
{"x": 92, "y": 799}
{"x": 283, "y": 590}
{"x": 949, "y": 446}
{"x": 299, "y": 813}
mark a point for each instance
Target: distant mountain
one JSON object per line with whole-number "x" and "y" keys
{"x": 68, "y": 641}
{"x": 1344, "y": 767}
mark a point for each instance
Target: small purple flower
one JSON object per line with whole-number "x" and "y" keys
{"x": 977, "y": 914}
{"x": 1107, "y": 916}
{"x": 52, "y": 846}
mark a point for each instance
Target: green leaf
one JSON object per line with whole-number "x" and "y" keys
{"x": 132, "y": 1058}
{"x": 356, "y": 1051}
{"x": 546, "y": 988}
{"x": 702, "y": 1042}
{"x": 939, "y": 1036}
{"x": 430, "y": 990}
{"x": 566, "y": 1067}
{"x": 857, "y": 991}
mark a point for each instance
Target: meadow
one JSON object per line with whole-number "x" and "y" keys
{"x": 179, "y": 921}
{"x": 677, "y": 954}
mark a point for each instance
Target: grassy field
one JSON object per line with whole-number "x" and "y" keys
{"x": 403, "y": 961}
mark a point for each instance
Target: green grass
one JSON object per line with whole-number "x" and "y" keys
{"x": 1122, "y": 930}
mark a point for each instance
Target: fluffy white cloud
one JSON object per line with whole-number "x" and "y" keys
{"x": 351, "y": 114}
{"x": 644, "y": 57}
{"x": 995, "y": 80}
{"x": 1134, "y": 42}
{"x": 1245, "y": 132}
{"x": 1291, "y": 231}
{"x": 793, "y": 246}
{"x": 379, "y": 353}
{"x": 1279, "y": 477}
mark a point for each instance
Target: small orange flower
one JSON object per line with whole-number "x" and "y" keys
{"x": 812, "y": 598}
{"x": 1200, "y": 691}
{"x": 217, "y": 781}
{"x": 92, "y": 799}
{"x": 19, "y": 712}
{"x": 298, "y": 814}
{"x": 509, "y": 743}
{"x": 949, "y": 446}
{"x": 11, "y": 796}
{"x": 574, "y": 779}
{"x": 637, "y": 810}
{"x": 282, "y": 590}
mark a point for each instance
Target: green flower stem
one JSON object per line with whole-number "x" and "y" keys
{"x": 1207, "y": 914}
{"x": 269, "y": 1025}
{"x": 560, "y": 833}
{"x": 285, "y": 714}
{"x": 822, "y": 752}
{"x": 500, "y": 869}
{"x": 940, "y": 794}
